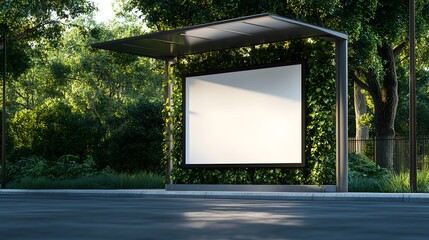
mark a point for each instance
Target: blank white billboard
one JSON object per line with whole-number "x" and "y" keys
{"x": 252, "y": 117}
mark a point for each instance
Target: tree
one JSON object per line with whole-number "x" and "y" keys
{"x": 389, "y": 39}
{"x": 378, "y": 37}
{"x": 25, "y": 21}
{"x": 32, "y": 19}
{"x": 77, "y": 100}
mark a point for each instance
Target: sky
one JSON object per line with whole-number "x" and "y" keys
{"x": 105, "y": 12}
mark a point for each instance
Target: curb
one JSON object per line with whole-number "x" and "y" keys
{"x": 287, "y": 196}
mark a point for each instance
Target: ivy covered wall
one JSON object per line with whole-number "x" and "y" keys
{"x": 318, "y": 59}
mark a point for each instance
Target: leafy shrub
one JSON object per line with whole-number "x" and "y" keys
{"x": 135, "y": 143}
{"x": 66, "y": 167}
{"x": 362, "y": 166}
{"x": 31, "y": 167}
{"x": 53, "y": 130}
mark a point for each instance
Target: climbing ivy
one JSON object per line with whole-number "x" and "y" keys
{"x": 318, "y": 59}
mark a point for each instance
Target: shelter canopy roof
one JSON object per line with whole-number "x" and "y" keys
{"x": 232, "y": 33}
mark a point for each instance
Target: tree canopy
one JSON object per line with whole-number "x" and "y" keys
{"x": 71, "y": 99}
{"x": 30, "y": 22}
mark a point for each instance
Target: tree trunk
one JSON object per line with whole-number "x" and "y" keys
{"x": 362, "y": 131}
{"x": 384, "y": 93}
{"x": 385, "y": 103}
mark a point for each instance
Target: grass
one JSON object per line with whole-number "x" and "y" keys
{"x": 102, "y": 181}
{"x": 391, "y": 183}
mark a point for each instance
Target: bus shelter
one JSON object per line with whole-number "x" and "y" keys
{"x": 235, "y": 33}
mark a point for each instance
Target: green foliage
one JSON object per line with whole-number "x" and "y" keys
{"x": 17, "y": 58}
{"x": 401, "y": 182}
{"x": 74, "y": 100}
{"x": 366, "y": 119}
{"x": 98, "y": 181}
{"x": 70, "y": 167}
{"x": 135, "y": 142}
{"x": 422, "y": 102}
{"x": 31, "y": 167}
{"x": 66, "y": 167}
{"x": 59, "y": 71}
{"x": 390, "y": 183}
{"x": 164, "y": 15}
{"x": 365, "y": 184}
{"x": 362, "y": 166}
{"x": 32, "y": 19}
{"x": 53, "y": 130}
{"x": 27, "y": 21}
{"x": 132, "y": 141}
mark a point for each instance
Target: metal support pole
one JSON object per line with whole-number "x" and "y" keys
{"x": 341, "y": 116}
{"x": 3, "y": 118}
{"x": 412, "y": 119}
{"x": 168, "y": 128}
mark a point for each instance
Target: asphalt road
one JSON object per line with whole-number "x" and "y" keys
{"x": 30, "y": 216}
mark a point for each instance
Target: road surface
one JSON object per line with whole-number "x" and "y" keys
{"x": 32, "y": 216}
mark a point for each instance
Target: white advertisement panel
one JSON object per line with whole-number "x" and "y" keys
{"x": 251, "y": 117}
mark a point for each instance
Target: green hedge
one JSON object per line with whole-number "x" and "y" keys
{"x": 318, "y": 57}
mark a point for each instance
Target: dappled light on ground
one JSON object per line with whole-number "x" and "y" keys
{"x": 203, "y": 219}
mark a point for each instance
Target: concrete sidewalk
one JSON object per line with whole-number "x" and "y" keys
{"x": 289, "y": 196}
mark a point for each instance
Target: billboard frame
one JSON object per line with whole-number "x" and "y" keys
{"x": 303, "y": 162}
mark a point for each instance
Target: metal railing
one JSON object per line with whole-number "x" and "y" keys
{"x": 400, "y": 147}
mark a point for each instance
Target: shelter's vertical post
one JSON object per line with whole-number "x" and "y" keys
{"x": 341, "y": 116}
{"x": 168, "y": 127}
